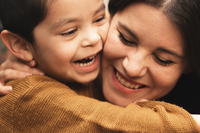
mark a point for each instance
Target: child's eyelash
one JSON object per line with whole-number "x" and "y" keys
{"x": 69, "y": 33}
{"x": 163, "y": 62}
{"x": 100, "y": 19}
{"x": 124, "y": 40}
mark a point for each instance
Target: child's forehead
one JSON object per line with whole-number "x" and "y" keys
{"x": 74, "y": 3}
{"x": 74, "y": 8}
{"x": 62, "y": 12}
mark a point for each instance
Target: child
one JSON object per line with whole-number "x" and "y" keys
{"x": 65, "y": 43}
{"x": 55, "y": 36}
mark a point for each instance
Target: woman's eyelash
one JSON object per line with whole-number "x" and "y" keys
{"x": 163, "y": 62}
{"x": 69, "y": 33}
{"x": 124, "y": 40}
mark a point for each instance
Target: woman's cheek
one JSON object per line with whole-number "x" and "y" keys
{"x": 166, "y": 78}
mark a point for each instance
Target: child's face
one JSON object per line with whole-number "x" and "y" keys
{"x": 70, "y": 38}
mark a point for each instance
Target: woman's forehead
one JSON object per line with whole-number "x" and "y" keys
{"x": 151, "y": 26}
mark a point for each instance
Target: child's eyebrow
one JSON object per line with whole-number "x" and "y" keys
{"x": 63, "y": 21}
{"x": 70, "y": 20}
{"x": 102, "y": 7}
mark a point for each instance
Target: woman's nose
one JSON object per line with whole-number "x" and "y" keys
{"x": 135, "y": 67}
{"x": 91, "y": 38}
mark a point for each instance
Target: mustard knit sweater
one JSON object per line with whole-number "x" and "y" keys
{"x": 40, "y": 104}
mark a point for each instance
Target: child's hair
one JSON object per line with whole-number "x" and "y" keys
{"x": 22, "y": 16}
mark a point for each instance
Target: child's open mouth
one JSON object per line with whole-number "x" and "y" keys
{"x": 86, "y": 62}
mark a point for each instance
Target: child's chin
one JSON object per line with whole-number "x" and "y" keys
{"x": 88, "y": 79}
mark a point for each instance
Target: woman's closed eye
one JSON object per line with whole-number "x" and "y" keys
{"x": 126, "y": 41}
{"x": 69, "y": 33}
{"x": 163, "y": 62}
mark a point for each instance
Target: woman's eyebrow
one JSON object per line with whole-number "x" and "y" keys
{"x": 170, "y": 52}
{"x": 128, "y": 30}
{"x": 159, "y": 49}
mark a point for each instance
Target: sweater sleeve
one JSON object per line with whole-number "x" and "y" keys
{"x": 49, "y": 106}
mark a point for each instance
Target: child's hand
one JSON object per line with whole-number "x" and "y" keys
{"x": 140, "y": 100}
{"x": 12, "y": 68}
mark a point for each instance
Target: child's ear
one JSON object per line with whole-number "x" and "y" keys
{"x": 18, "y": 46}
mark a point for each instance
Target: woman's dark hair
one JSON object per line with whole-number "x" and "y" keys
{"x": 22, "y": 16}
{"x": 185, "y": 14}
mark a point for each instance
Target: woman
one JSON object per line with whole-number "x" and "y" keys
{"x": 119, "y": 63}
{"x": 152, "y": 57}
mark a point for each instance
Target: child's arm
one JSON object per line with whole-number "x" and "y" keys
{"x": 13, "y": 61}
{"x": 12, "y": 68}
{"x": 195, "y": 116}
{"x": 45, "y": 105}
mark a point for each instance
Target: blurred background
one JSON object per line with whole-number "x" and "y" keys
{"x": 106, "y": 3}
{"x": 3, "y": 52}
{"x": 3, "y": 49}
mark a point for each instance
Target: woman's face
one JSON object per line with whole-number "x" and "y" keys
{"x": 144, "y": 55}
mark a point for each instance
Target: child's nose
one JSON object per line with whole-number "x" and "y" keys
{"x": 92, "y": 38}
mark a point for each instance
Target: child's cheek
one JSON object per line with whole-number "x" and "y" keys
{"x": 105, "y": 31}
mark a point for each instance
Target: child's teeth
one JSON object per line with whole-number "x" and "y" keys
{"x": 91, "y": 57}
{"x": 87, "y": 64}
{"x": 125, "y": 83}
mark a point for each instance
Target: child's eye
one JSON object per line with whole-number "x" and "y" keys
{"x": 125, "y": 41}
{"x": 163, "y": 62}
{"x": 99, "y": 19}
{"x": 69, "y": 33}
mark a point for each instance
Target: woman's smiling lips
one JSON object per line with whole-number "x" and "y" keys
{"x": 125, "y": 85}
{"x": 88, "y": 64}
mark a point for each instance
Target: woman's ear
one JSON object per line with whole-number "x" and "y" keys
{"x": 18, "y": 46}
